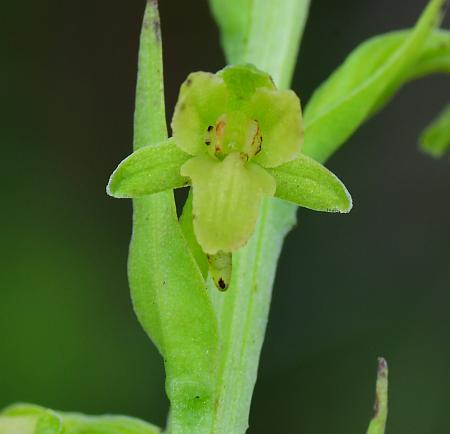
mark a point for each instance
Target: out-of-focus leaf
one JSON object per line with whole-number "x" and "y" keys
{"x": 33, "y": 419}
{"x": 349, "y": 96}
{"x": 309, "y": 184}
{"x": 434, "y": 58}
{"x": 17, "y": 424}
{"x": 49, "y": 423}
{"x": 435, "y": 140}
{"x": 81, "y": 424}
{"x": 149, "y": 170}
{"x": 380, "y": 409}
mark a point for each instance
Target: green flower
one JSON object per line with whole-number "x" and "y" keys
{"x": 236, "y": 139}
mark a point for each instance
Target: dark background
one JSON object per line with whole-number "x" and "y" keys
{"x": 349, "y": 288}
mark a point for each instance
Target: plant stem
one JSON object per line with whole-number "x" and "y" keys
{"x": 243, "y": 310}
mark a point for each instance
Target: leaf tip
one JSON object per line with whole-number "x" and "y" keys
{"x": 380, "y": 408}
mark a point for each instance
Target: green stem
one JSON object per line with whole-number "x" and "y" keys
{"x": 243, "y": 310}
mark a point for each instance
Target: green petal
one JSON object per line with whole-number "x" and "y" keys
{"x": 280, "y": 120}
{"x": 307, "y": 183}
{"x": 227, "y": 196}
{"x": 203, "y": 98}
{"x": 149, "y": 170}
{"x": 243, "y": 80}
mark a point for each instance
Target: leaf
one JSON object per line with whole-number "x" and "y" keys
{"x": 149, "y": 170}
{"x": 378, "y": 422}
{"x": 309, "y": 184}
{"x": 17, "y": 424}
{"x": 49, "y": 423}
{"x": 79, "y": 424}
{"x": 435, "y": 140}
{"x": 167, "y": 287}
{"x": 344, "y": 101}
{"x": 434, "y": 58}
{"x": 33, "y": 419}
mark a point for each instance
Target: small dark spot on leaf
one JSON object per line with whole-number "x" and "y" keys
{"x": 197, "y": 397}
{"x": 207, "y": 142}
{"x": 188, "y": 81}
{"x": 222, "y": 284}
{"x": 210, "y": 128}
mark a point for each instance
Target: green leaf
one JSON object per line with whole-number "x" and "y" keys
{"x": 42, "y": 420}
{"x": 80, "y": 424}
{"x": 167, "y": 287}
{"x": 344, "y": 101}
{"x": 226, "y": 199}
{"x": 378, "y": 422}
{"x": 435, "y": 140}
{"x": 149, "y": 170}
{"x": 33, "y": 419}
{"x": 309, "y": 184}
{"x": 17, "y": 424}
{"x": 434, "y": 58}
{"x": 49, "y": 423}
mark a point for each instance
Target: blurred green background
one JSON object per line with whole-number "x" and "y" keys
{"x": 348, "y": 289}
